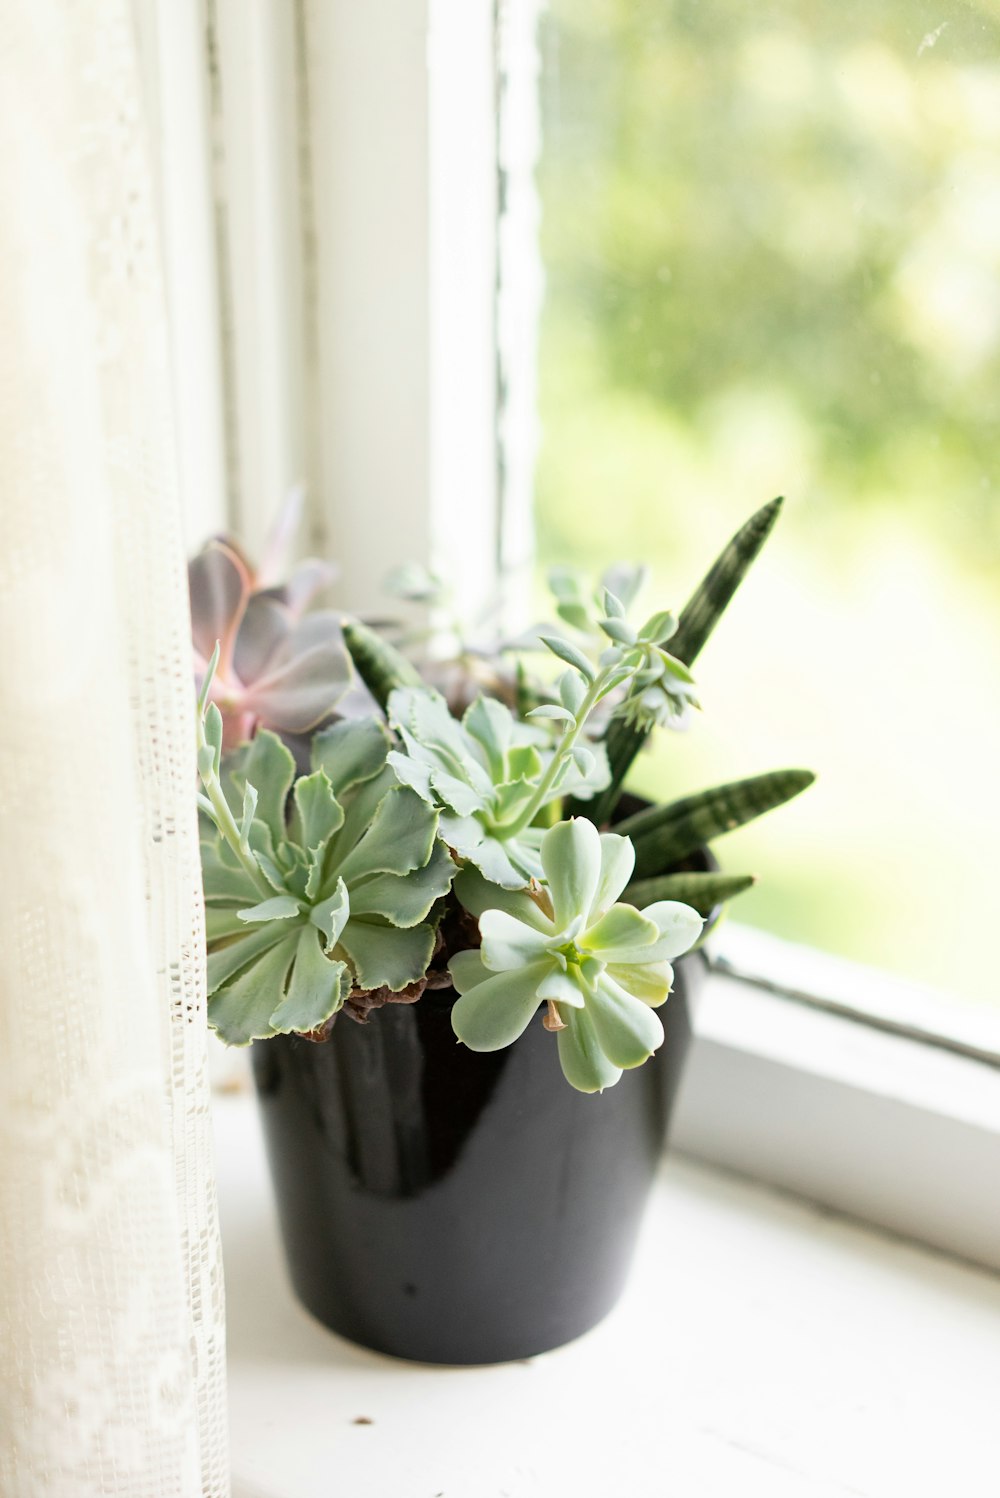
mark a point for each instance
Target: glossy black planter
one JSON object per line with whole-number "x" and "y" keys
{"x": 450, "y": 1207}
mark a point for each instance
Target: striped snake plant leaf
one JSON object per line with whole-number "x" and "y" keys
{"x": 664, "y": 834}
{"x": 703, "y": 892}
{"x": 697, "y": 621}
{"x": 380, "y": 665}
{"x": 713, "y": 594}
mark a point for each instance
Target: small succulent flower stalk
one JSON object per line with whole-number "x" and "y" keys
{"x": 598, "y": 968}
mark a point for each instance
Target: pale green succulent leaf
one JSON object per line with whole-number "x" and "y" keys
{"x": 318, "y": 813}
{"x": 570, "y": 654}
{"x": 314, "y": 878}
{"x": 612, "y": 680}
{"x": 219, "y": 613}
{"x": 268, "y": 766}
{"x": 360, "y": 805}
{"x": 405, "y": 899}
{"x": 574, "y": 614}
{"x": 384, "y": 956}
{"x": 584, "y": 1064}
{"x": 296, "y": 866}
{"x": 272, "y": 873}
{"x": 618, "y": 630}
{"x": 399, "y": 839}
{"x": 332, "y": 914}
{"x": 649, "y": 981}
{"x": 679, "y": 926}
{"x": 221, "y": 881}
{"x": 222, "y": 921}
{"x": 675, "y": 667}
{"x": 492, "y": 726}
{"x": 280, "y": 908}
{"x": 509, "y": 943}
{"x": 571, "y": 691}
{"x": 550, "y": 712}
{"x": 413, "y": 773}
{"x": 425, "y": 716}
{"x": 523, "y": 762}
{"x": 617, "y": 863}
{"x": 477, "y": 894}
{"x": 456, "y": 794}
{"x": 621, "y": 927}
{"x": 470, "y": 840}
{"x": 226, "y": 961}
{"x": 560, "y": 987}
{"x": 350, "y": 752}
{"x": 213, "y": 734}
{"x": 242, "y": 1011}
{"x": 627, "y": 1030}
{"x": 611, "y": 604}
{"x": 510, "y": 797}
{"x": 467, "y": 969}
{"x": 584, "y": 783}
{"x": 317, "y": 989}
{"x": 494, "y": 1013}
{"x": 585, "y": 761}
{"x": 658, "y": 627}
{"x": 249, "y": 812}
{"x": 571, "y": 860}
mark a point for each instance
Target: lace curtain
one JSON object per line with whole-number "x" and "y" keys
{"x": 111, "y": 1310}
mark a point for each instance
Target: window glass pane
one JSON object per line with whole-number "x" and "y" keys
{"x": 771, "y": 241}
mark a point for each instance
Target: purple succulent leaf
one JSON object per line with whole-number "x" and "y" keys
{"x": 306, "y": 677}
{"x": 309, "y": 578}
{"x": 219, "y": 583}
{"x": 281, "y": 535}
{"x": 265, "y": 627}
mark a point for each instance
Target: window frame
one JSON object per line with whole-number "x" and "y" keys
{"x": 883, "y": 1120}
{"x": 363, "y": 322}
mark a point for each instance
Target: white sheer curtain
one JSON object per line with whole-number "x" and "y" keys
{"x": 111, "y": 1306}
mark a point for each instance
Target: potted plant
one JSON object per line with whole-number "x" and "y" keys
{"x": 450, "y": 950}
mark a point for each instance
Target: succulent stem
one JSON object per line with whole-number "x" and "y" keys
{"x": 563, "y": 749}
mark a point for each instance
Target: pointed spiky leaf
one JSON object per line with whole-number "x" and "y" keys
{"x": 698, "y": 619}
{"x": 664, "y": 834}
{"x": 379, "y": 664}
{"x": 703, "y": 892}
{"x": 710, "y": 599}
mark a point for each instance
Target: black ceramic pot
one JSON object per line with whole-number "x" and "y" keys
{"x": 452, "y": 1207}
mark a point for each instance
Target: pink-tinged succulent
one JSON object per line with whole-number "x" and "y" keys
{"x": 279, "y": 667}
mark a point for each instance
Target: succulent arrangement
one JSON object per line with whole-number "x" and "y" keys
{"x": 365, "y": 840}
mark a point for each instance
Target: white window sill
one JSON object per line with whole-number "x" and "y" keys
{"x": 763, "y": 1348}
{"x": 879, "y": 1118}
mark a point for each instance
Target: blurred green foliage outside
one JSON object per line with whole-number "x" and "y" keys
{"x": 771, "y": 238}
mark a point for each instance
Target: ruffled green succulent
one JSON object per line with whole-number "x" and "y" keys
{"x": 317, "y": 890}
{"x": 600, "y": 968}
{"x": 490, "y": 777}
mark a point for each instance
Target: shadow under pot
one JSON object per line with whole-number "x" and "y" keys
{"x": 453, "y": 1207}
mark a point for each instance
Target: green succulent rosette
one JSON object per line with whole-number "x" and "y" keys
{"x": 481, "y": 772}
{"x": 315, "y": 888}
{"x": 600, "y": 967}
